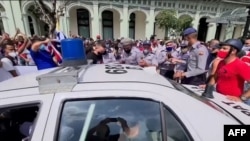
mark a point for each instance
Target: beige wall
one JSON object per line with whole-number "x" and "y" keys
{"x": 238, "y": 31}
{"x": 160, "y": 33}
{"x": 116, "y": 26}
{"x": 140, "y": 25}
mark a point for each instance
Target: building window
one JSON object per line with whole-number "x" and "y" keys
{"x": 132, "y": 26}
{"x": 83, "y": 22}
{"x": 107, "y": 24}
{"x": 32, "y": 30}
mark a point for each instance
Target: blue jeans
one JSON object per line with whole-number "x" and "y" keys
{"x": 247, "y": 102}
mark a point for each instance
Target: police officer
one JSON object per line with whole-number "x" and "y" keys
{"x": 131, "y": 54}
{"x": 108, "y": 56}
{"x": 181, "y": 60}
{"x": 148, "y": 58}
{"x": 196, "y": 65}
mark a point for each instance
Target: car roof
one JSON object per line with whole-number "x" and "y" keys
{"x": 91, "y": 74}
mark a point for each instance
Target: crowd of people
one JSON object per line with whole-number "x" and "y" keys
{"x": 186, "y": 60}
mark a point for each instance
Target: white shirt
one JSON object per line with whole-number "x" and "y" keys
{"x": 6, "y": 67}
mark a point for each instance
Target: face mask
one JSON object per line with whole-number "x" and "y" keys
{"x": 12, "y": 54}
{"x": 128, "y": 51}
{"x": 222, "y": 54}
{"x": 245, "y": 48}
{"x": 42, "y": 47}
{"x": 145, "y": 51}
{"x": 169, "y": 49}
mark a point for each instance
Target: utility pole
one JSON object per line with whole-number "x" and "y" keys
{"x": 247, "y": 25}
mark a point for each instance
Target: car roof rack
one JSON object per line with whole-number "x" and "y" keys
{"x": 62, "y": 79}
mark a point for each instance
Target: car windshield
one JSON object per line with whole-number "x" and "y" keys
{"x": 110, "y": 120}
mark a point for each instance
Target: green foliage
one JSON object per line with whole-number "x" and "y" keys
{"x": 184, "y": 22}
{"x": 167, "y": 19}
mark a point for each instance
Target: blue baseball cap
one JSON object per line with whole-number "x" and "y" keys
{"x": 147, "y": 42}
{"x": 189, "y": 31}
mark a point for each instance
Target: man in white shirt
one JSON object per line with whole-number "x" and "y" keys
{"x": 9, "y": 61}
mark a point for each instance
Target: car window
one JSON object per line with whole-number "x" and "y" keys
{"x": 16, "y": 123}
{"x": 110, "y": 120}
{"x": 175, "y": 130}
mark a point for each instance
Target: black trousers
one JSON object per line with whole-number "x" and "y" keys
{"x": 195, "y": 80}
{"x": 167, "y": 73}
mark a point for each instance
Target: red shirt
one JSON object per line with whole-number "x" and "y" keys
{"x": 246, "y": 59}
{"x": 231, "y": 77}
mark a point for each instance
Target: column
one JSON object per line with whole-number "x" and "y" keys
{"x": 95, "y": 21}
{"x": 10, "y": 18}
{"x": 211, "y": 31}
{"x": 17, "y": 15}
{"x": 124, "y": 27}
{"x": 67, "y": 25}
{"x": 196, "y": 20}
{"x": 150, "y": 23}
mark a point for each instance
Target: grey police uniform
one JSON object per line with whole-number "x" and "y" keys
{"x": 196, "y": 65}
{"x": 182, "y": 66}
{"x": 150, "y": 59}
{"x": 108, "y": 58}
{"x": 133, "y": 58}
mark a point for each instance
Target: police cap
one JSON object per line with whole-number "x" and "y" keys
{"x": 189, "y": 31}
{"x": 147, "y": 42}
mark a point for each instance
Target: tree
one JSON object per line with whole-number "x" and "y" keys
{"x": 167, "y": 20}
{"x": 49, "y": 16}
{"x": 184, "y": 22}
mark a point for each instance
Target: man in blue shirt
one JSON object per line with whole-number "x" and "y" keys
{"x": 41, "y": 56}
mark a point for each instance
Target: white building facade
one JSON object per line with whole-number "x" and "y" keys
{"x": 121, "y": 18}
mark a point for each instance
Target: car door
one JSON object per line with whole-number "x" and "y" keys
{"x": 24, "y": 117}
{"x": 79, "y": 115}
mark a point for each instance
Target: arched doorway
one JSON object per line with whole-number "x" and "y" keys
{"x": 218, "y": 31}
{"x": 202, "y": 29}
{"x": 137, "y": 25}
{"x": 132, "y": 18}
{"x": 36, "y": 26}
{"x": 79, "y": 20}
{"x": 107, "y": 24}
{"x": 83, "y": 23}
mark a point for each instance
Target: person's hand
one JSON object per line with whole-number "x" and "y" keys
{"x": 47, "y": 40}
{"x": 177, "y": 74}
{"x": 233, "y": 98}
{"x": 142, "y": 63}
{"x": 173, "y": 60}
{"x": 17, "y": 30}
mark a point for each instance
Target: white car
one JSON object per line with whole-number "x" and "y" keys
{"x": 110, "y": 102}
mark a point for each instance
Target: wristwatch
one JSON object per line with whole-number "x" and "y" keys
{"x": 243, "y": 98}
